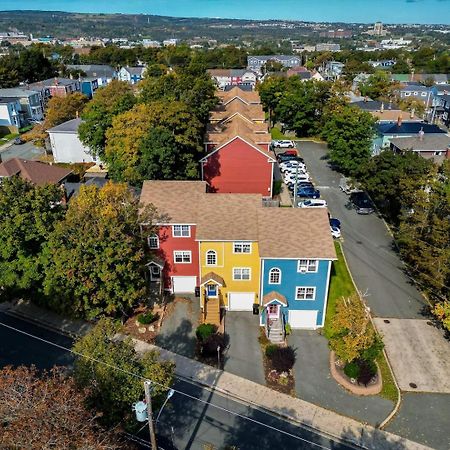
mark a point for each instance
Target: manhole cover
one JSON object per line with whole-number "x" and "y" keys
{"x": 359, "y": 242}
{"x": 413, "y": 385}
{"x": 386, "y": 321}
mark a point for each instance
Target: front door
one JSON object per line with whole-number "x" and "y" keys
{"x": 155, "y": 273}
{"x": 211, "y": 290}
{"x": 273, "y": 311}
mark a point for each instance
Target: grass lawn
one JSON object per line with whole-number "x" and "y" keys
{"x": 278, "y": 135}
{"x": 8, "y": 137}
{"x": 341, "y": 285}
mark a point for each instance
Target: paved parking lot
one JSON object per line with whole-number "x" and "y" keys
{"x": 378, "y": 274}
{"x": 24, "y": 151}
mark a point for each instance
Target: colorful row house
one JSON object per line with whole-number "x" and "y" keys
{"x": 232, "y": 254}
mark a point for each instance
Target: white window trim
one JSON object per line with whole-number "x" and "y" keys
{"x": 243, "y": 268}
{"x": 206, "y": 258}
{"x": 305, "y": 299}
{"x": 181, "y": 235}
{"x": 242, "y": 243}
{"x": 279, "y": 274}
{"x": 149, "y": 238}
{"x": 182, "y": 252}
{"x": 307, "y": 266}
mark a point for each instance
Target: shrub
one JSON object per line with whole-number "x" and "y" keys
{"x": 209, "y": 346}
{"x": 277, "y": 187}
{"x": 147, "y": 318}
{"x": 283, "y": 359}
{"x": 352, "y": 369}
{"x": 271, "y": 349}
{"x": 204, "y": 331}
{"x": 367, "y": 370}
{"x": 373, "y": 352}
{"x": 287, "y": 329}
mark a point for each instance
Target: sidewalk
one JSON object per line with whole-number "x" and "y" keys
{"x": 247, "y": 392}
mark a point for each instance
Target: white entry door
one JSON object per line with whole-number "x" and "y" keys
{"x": 241, "y": 301}
{"x": 184, "y": 285}
{"x": 303, "y": 319}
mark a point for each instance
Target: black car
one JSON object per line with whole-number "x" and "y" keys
{"x": 362, "y": 203}
{"x": 18, "y": 141}
{"x": 284, "y": 158}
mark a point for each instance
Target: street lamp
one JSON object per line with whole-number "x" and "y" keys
{"x": 169, "y": 395}
{"x": 218, "y": 356}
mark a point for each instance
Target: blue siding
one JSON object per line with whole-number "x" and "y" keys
{"x": 290, "y": 279}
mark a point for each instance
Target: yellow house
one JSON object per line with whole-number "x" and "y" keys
{"x": 228, "y": 254}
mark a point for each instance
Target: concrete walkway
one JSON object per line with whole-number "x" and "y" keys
{"x": 293, "y": 409}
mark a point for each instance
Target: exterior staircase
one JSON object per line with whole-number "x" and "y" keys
{"x": 212, "y": 311}
{"x": 275, "y": 331}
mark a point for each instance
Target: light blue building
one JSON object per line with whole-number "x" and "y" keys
{"x": 295, "y": 268}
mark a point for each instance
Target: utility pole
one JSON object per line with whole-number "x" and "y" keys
{"x": 151, "y": 425}
{"x": 295, "y": 187}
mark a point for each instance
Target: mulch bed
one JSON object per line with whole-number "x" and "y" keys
{"x": 143, "y": 332}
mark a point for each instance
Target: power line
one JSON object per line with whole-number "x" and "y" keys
{"x": 242, "y": 416}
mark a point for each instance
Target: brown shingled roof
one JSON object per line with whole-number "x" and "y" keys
{"x": 35, "y": 172}
{"x": 228, "y": 217}
{"x": 252, "y": 112}
{"x": 214, "y": 277}
{"x": 274, "y": 296}
{"x": 177, "y": 199}
{"x": 236, "y": 92}
{"x": 306, "y": 233}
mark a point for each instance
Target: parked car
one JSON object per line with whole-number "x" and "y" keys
{"x": 294, "y": 170}
{"x": 283, "y": 158}
{"x": 18, "y": 141}
{"x": 291, "y": 178}
{"x": 335, "y": 232}
{"x": 291, "y": 164}
{"x": 308, "y": 192}
{"x": 292, "y": 152}
{"x": 335, "y": 223}
{"x": 362, "y": 202}
{"x": 314, "y": 203}
{"x": 283, "y": 144}
{"x": 301, "y": 184}
{"x": 348, "y": 186}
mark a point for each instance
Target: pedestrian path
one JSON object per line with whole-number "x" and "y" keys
{"x": 293, "y": 409}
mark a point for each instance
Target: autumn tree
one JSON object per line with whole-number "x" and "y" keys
{"x": 109, "y": 101}
{"x": 95, "y": 259}
{"x": 114, "y": 372}
{"x": 42, "y": 411}
{"x": 352, "y": 333}
{"x": 378, "y": 86}
{"x": 28, "y": 215}
{"x": 62, "y": 109}
{"x": 129, "y": 148}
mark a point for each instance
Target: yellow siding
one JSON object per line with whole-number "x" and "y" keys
{"x": 226, "y": 261}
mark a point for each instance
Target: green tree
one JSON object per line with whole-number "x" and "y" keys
{"x": 98, "y": 114}
{"x": 110, "y": 367}
{"x": 124, "y": 140}
{"x": 349, "y": 132}
{"x": 62, "y": 109}
{"x": 95, "y": 259}
{"x": 28, "y": 215}
{"x": 378, "y": 86}
{"x": 271, "y": 91}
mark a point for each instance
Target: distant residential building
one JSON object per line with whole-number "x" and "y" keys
{"x": 445, "y": 117}
{"x": 168, "y": 42}
{"x": 429, "y": 146}
{"x": 55, "y": 87}
{"x": 389, "y": 44}
{"x": 104, "y": 73}
{"x": 336, "y": 34}
{"x": 418, "y": 92}
{"x": 384, "y": 112}
{"x": 233, "y": 77}
{"x": 382, "y": 64}
{"x": 257, "y": 62}
{"x": 35, "y": 172}
{"x": 15, "y": 37}
{"x": 333, "y": 70}
{"x": 66, "y": 145}
{"x": 149, "y": 43}
{"x": 131, "y": 75}
{"x": 31, "y": 107}
{"x": 300, "y": 48}
{"x": 377, "y": 30}
{"x": 10, "y": 113}
{"x": 88, "y": 86}
{"x": 328, "y": 47}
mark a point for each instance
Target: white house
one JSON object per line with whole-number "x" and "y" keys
{"x": 131, "y": 75}
{"x": 66, "y": 145}
{"x": 10, "y": 113}
{"x": 31, "y": 106}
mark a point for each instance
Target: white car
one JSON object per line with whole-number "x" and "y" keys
{"x": 283, "y": 144}
{"x": 313, "y": 203}
{"x": 290, "y": 178}
{"x": 292, "y": 165}
{"x": 335, "y": 232}
{"x": 294, "y": 170}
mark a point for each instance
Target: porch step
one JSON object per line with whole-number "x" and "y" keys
{"x": 212, "y": 313}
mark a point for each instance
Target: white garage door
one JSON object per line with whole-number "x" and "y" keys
{"x": 303, "y": 319}
{"x": 241, "y": 301}
{"x": 183, "y": 284}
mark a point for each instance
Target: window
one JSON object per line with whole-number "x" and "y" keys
{"x": 307, "y": 265}
{"x": 305, "y": 293}
{"x": 241, "y": 273}
{"x": 275, "y": 276}
{"x": 211, "y": 258}
{"x": 153, "y": 241}
{"x": 181, "y": 231}
{"x": 182, "y": 257}
{"x": 242, "y": 247}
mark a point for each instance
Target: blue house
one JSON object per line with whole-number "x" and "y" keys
{"x": 88, "y": 86}
{"x": 295, "y": 268}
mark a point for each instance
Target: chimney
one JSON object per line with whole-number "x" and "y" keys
{"x": 413, "y": 111}
{"x": 399, "y": 121}
{"x": 56, "y": 81}
{"x": 77, "y": 114}
{"x": 382, "y": 107}
{"x": 421, "y": 134}
{"x": 365, "y": 99}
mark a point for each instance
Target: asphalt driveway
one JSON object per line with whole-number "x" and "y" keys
{"x": 24, "y": 151}
{"x": 314, "y": 383}
{"x": 243, "y": 356}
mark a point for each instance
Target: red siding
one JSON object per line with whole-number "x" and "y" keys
{"x": 168, "y": 244}
{"x": 239, "y": 168}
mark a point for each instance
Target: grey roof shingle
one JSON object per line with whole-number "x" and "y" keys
{"x": 71, "y": 126}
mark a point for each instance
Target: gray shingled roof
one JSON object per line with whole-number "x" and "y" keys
{"x": 94, "y": 70}
{"x": 429, "y": 142}
{"x": 71, "y": 126}
{"x": 17, "y": 92}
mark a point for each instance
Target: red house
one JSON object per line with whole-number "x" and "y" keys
{"x": 238, "y": 158}
{"x": 175, "y": 267}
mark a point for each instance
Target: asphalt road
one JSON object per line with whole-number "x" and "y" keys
{"x": 185, "y": 421}
{"x": 24, "y": 151}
